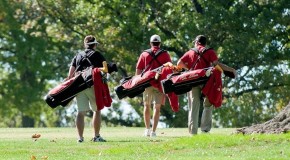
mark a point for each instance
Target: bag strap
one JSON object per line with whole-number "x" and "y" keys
{"x": 154, "y": 58}
{"x": 155, "y": 55}
{"x": 85, "y": 56}
{"x": 200, "y": 55}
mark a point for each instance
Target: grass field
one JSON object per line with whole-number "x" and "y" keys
{"x": 128, "y": 143}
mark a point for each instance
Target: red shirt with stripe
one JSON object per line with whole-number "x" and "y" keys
{"x": 145, "y": 59}
{"x": 190, "y": 57}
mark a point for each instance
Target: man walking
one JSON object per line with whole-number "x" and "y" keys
{"x": 149, "y": 60}
{"x": 198, "y": 58}
{"x": 86, "y": 99}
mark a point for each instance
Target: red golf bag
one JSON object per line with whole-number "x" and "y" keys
{"x": 63, "y": 93}
{"x": 136, "y": 85}
{"x": 133, "y": 86}
{"x": 182, "y": 82}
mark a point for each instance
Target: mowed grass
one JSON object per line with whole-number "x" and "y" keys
{"x": 128, "y": 143}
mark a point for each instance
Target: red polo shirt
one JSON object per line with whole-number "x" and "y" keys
{"x": 190, "y": 57}
{"x": 145, "y": 59}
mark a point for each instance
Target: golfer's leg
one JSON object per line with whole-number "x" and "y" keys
{"x": 156, "y": 115}
{"x": 97, "y": 122}
{"x": 193, "y": 114}
{"x": 206, "y": 119}
{"x": 97, "y": 118}
{"x": 147, "y": 100}
{"x": 82, "y": 106}
{"x": 147, "y": 116}
{"x": 80, "y": 123}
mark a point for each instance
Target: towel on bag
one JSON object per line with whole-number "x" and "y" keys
{"x": 213, "y": 88}
{"x": 102, "y": 93}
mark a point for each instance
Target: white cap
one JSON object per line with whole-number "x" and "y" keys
{"x": 94, "y": 42}
{"x": 155, "y": 38}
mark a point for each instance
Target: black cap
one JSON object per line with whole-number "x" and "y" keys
{"x": 201, "y": 39}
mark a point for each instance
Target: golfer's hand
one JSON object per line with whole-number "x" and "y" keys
{"x": 168, "y": 64}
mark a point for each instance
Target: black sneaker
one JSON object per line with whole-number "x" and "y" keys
{"x": 80, "y": 140}
{"x": 205, "y": 132}
{"x": 98, "y": 139}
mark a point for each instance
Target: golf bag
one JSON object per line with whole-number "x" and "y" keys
{"x": 183, "y": 82}
{"x": 133, "y": 86}
{"x": 63, "y": 93}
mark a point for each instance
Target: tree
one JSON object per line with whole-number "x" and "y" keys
{"x": 26, "y": 53}
{"x": 251, "y": 36}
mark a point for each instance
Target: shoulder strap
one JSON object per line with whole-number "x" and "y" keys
{"x": 200, "y": 54}
{"x": 195, "y": 50}
{"x": 202, "y": 51}
{"x": 148, "y": 51}
{"x": 82, "y": 55}
{"x": 159, "y": 52}
{"x": 85, "y": 56}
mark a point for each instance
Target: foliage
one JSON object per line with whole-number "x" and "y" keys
{"x": 39, "y": 38}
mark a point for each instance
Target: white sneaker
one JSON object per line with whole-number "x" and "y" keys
{"x": 153, "y": 134}
{"x": 146, "y": 133}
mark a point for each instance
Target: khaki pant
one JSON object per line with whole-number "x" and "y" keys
{"x": 153, "y": 96}
{"x": 86, "y": 100}
{"x": 194, "y": 103}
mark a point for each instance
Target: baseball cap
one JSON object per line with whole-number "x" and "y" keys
{"x": 201, "y": 39}
{"x": 155, "y": 38}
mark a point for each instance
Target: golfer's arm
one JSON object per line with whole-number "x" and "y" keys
{"x": 71, "y": 72}
{"x": 138, "y": 71}
{"x": 180, "y": 64}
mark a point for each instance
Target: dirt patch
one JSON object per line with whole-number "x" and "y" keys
{"x": 279, "y": 124}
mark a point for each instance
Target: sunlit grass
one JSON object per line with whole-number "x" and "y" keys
{"x": 128, "y": 143}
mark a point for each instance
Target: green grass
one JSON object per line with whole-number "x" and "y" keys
{"x": 127, "y": 143}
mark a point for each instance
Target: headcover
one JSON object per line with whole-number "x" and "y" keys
{"x": 112, "y": 67}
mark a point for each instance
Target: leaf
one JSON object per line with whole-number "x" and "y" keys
{"x": 36, "y": 135}
{"x": 33, "y": 157}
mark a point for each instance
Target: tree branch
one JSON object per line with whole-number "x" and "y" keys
{"x": 178, "y": 52}
{"x": 65, "y": 23}
{"x": 265, "y": 88}
{"x": 7, "y": 49}
{"x": 197, "y": 6}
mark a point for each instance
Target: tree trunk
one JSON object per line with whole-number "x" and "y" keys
{"x": 279, "y": 124}
{"x": 27, "y": 122}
